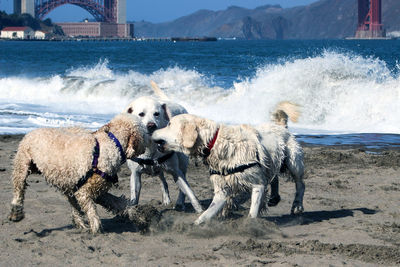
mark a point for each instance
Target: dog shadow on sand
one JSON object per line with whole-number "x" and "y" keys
{"x": 310, "y": 217}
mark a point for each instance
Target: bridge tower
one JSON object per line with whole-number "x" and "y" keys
{"x": 24, "y": 6}
{"x": 370, "y": 19}
{"x": 112, "y": 11}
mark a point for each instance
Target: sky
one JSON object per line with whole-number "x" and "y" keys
{"x": 158, "y": 10}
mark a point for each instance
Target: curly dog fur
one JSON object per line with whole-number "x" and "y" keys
{"x": 64, "y": 155}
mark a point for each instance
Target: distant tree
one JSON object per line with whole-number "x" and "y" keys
{"x": 7, "y": 20}
{"x": 28, "y": 20}
{"x": 48, "y": 22}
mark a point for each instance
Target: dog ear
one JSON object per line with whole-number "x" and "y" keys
{"x": 189, "y": 134}
{"x": 167, "y": 112}
{"x": 135, "y": 145}
{"x": 105, "y": 128}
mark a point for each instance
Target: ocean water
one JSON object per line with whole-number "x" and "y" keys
{"x": 349, "y": 91}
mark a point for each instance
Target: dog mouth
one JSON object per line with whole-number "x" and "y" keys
{"x": 161, "y": 145}
{"x": 150, "y": 131}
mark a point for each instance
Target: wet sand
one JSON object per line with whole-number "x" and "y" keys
{"x": 352, "y": 218}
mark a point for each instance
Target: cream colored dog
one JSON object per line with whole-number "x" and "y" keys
{"x": 152, "y": 113}
{"x": 81, "y": 164}
{"x": 239, "y": 157}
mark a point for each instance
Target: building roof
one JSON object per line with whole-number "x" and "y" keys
{"x": 15, "y": 29}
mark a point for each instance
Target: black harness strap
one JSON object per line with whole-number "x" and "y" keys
{"x": 96, "y": 153}
{"x": 237, "y": 169}
{"x": 152, "y": 162}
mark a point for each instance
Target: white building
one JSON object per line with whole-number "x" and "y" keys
{"x": 41, "y": 35}
{"x": 17, "y": 33}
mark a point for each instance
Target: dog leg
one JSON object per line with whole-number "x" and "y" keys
{"x": 295, "y": 165}
{"x": 257, "y": 196}
{"x": 114, "y": 204}
{"x": 275, "y": 198}
{"x": 180, "y": 201}
{"x": 183, "y": 165}
{"x": 297, "y": 206}
{"x": 22, "y": 165}
{"x": 183, "y": 185}
{"x": 136, "y": 184}
{"x": 164, "y": 189}
{"x": 216, "y": 205}
{"x": 87, "y": 205}
{"x": 77, "y": 213}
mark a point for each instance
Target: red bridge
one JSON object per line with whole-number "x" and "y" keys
{"x": 370, "y": 19}
{"x": 101, "y": 10}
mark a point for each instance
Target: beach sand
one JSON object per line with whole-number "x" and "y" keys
{"x": 352, "y": 218}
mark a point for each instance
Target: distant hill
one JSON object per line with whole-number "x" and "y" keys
{"x": 321, "y": 20}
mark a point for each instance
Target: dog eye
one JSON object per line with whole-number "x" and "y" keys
{"x": 141, "y": 114}
{"x": 130, "y": 110}
{"x": 156, "y": 114}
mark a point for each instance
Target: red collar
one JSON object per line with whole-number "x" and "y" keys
{"x": 210, "y": 144}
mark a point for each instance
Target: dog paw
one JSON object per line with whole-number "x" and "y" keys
{"x": 80, "y": 225}
{"x": 17, "y": 213}
{"x": 273, "y": 201}
{"x": 297, "y": 209}
{"x": 166, "y": 201}
{"x": 96, "y": 228}
{"x": 179, "y": 207}
{"x": 198, "y": 221}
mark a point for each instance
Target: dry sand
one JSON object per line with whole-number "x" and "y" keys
{"x": 352, "y": 218}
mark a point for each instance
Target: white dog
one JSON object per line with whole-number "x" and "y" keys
{"x": 152, "y": 113}
{"x": 239, "y": 157}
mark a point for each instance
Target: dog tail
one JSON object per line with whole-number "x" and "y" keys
{"x": 157, "y": 90}
{"x": 286, "y": 110}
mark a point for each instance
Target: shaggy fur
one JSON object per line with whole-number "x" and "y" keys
{"x": 270, "y": 146}
{"x": 64, "y": 155}
{"x": 152, "y": 113}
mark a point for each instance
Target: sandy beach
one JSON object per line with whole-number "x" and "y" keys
{"x": 351, "y": 218}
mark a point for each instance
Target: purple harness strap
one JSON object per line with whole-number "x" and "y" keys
{"x": 96, "y": 153}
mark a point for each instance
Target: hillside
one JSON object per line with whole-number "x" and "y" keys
{"x": 321, "y": 20}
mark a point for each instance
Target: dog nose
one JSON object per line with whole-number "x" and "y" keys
{"x": 151, "y": 126}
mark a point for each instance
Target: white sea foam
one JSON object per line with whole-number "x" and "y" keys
{"x": 339, "y": 93}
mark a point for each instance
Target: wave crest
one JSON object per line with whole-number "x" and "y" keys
{"x": 338, "y": 93}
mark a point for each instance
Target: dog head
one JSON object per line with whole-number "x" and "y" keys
{"x": 150, "y": 112}
{"x": 181, "y": 135}
{"x": 130, "y": 133}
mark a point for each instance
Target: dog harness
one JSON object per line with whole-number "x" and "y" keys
{"x": 96, "y": 153}
{"x": 153, "y": 162}
{"x": 240, "y": 168}
{"x": 225, "y": 172}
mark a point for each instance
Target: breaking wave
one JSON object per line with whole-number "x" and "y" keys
{"x": 338, "y": 92}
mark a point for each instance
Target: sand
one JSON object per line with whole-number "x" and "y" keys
{"x": 351, "y": 218}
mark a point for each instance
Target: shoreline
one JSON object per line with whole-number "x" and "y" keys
{"x": 351, "y": 218}
{"x": 313, "y": 141}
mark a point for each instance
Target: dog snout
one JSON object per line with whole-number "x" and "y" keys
{"x": 151, "y": 127}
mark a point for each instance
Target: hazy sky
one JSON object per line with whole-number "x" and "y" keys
{"x": 158, "y": 10}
